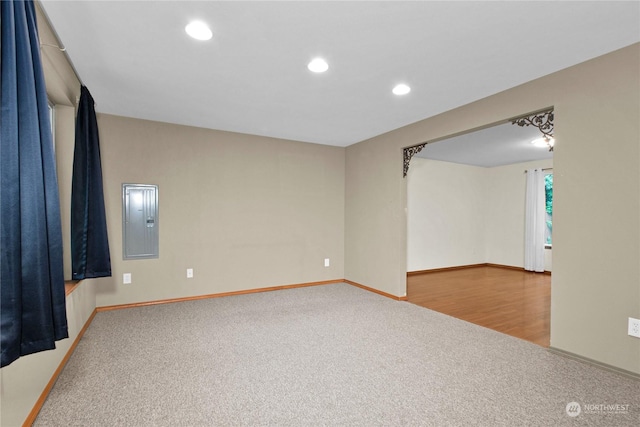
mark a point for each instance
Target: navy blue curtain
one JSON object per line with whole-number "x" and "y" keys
{"x": 32, "y": 296}
{"x": 89, "y": 242}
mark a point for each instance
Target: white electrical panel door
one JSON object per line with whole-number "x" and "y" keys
{"x": 140, "y": 221}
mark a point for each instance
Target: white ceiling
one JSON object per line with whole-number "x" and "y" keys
{"x": 499, "y": 145}
{"x": 137, "y": 61}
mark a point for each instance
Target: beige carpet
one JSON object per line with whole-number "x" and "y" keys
{"x": 325, "y": 355}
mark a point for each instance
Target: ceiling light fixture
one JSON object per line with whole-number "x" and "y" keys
{"x": 198, "y": 30}
{"x": 318, "y": 65}
{"x": 544, "y": 142}
{"x": 401, "y": 89}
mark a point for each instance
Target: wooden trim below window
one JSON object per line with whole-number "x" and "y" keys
{"x": 70, "y": 286}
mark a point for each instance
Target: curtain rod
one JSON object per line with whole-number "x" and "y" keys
{"x": 544, "y": 169}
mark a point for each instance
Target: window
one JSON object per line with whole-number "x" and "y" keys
{"x": 548, "y": 196}
{"x": 52, "y": 118}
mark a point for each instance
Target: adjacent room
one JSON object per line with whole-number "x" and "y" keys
{"x": 210, "y": 210}
{"x": 467, "y": 225}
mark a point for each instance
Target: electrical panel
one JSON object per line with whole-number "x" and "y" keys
{"x": 140, "y": 221}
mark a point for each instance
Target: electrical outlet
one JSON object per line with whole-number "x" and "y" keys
{"x": 189, "y": 273}
{"x": 126, "y": 278}
{"x": 326, "y": 262}
{"x": 634, "y": 327}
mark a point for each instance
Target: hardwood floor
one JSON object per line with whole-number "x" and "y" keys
{"x": 510, "y": 301}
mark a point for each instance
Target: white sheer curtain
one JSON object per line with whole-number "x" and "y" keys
{"x": 534, "y": 221}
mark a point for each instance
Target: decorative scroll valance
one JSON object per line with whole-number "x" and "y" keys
{"x": 408, "y": 154}
{"x": 542, "y": 120}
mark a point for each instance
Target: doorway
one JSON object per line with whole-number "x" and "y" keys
{"x": 465, "y": 231}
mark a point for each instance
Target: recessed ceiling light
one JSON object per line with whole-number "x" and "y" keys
{"x": 318, "y": 65}
{"x": 198, "y": 30}
{"x": 401, "y": 89}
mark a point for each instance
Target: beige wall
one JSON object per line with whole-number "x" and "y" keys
{"x": 462, "y": 215}
{"x": 243, "y": 211}
{"x": 445, "y": 215}
{"x": 596, "y": 281}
